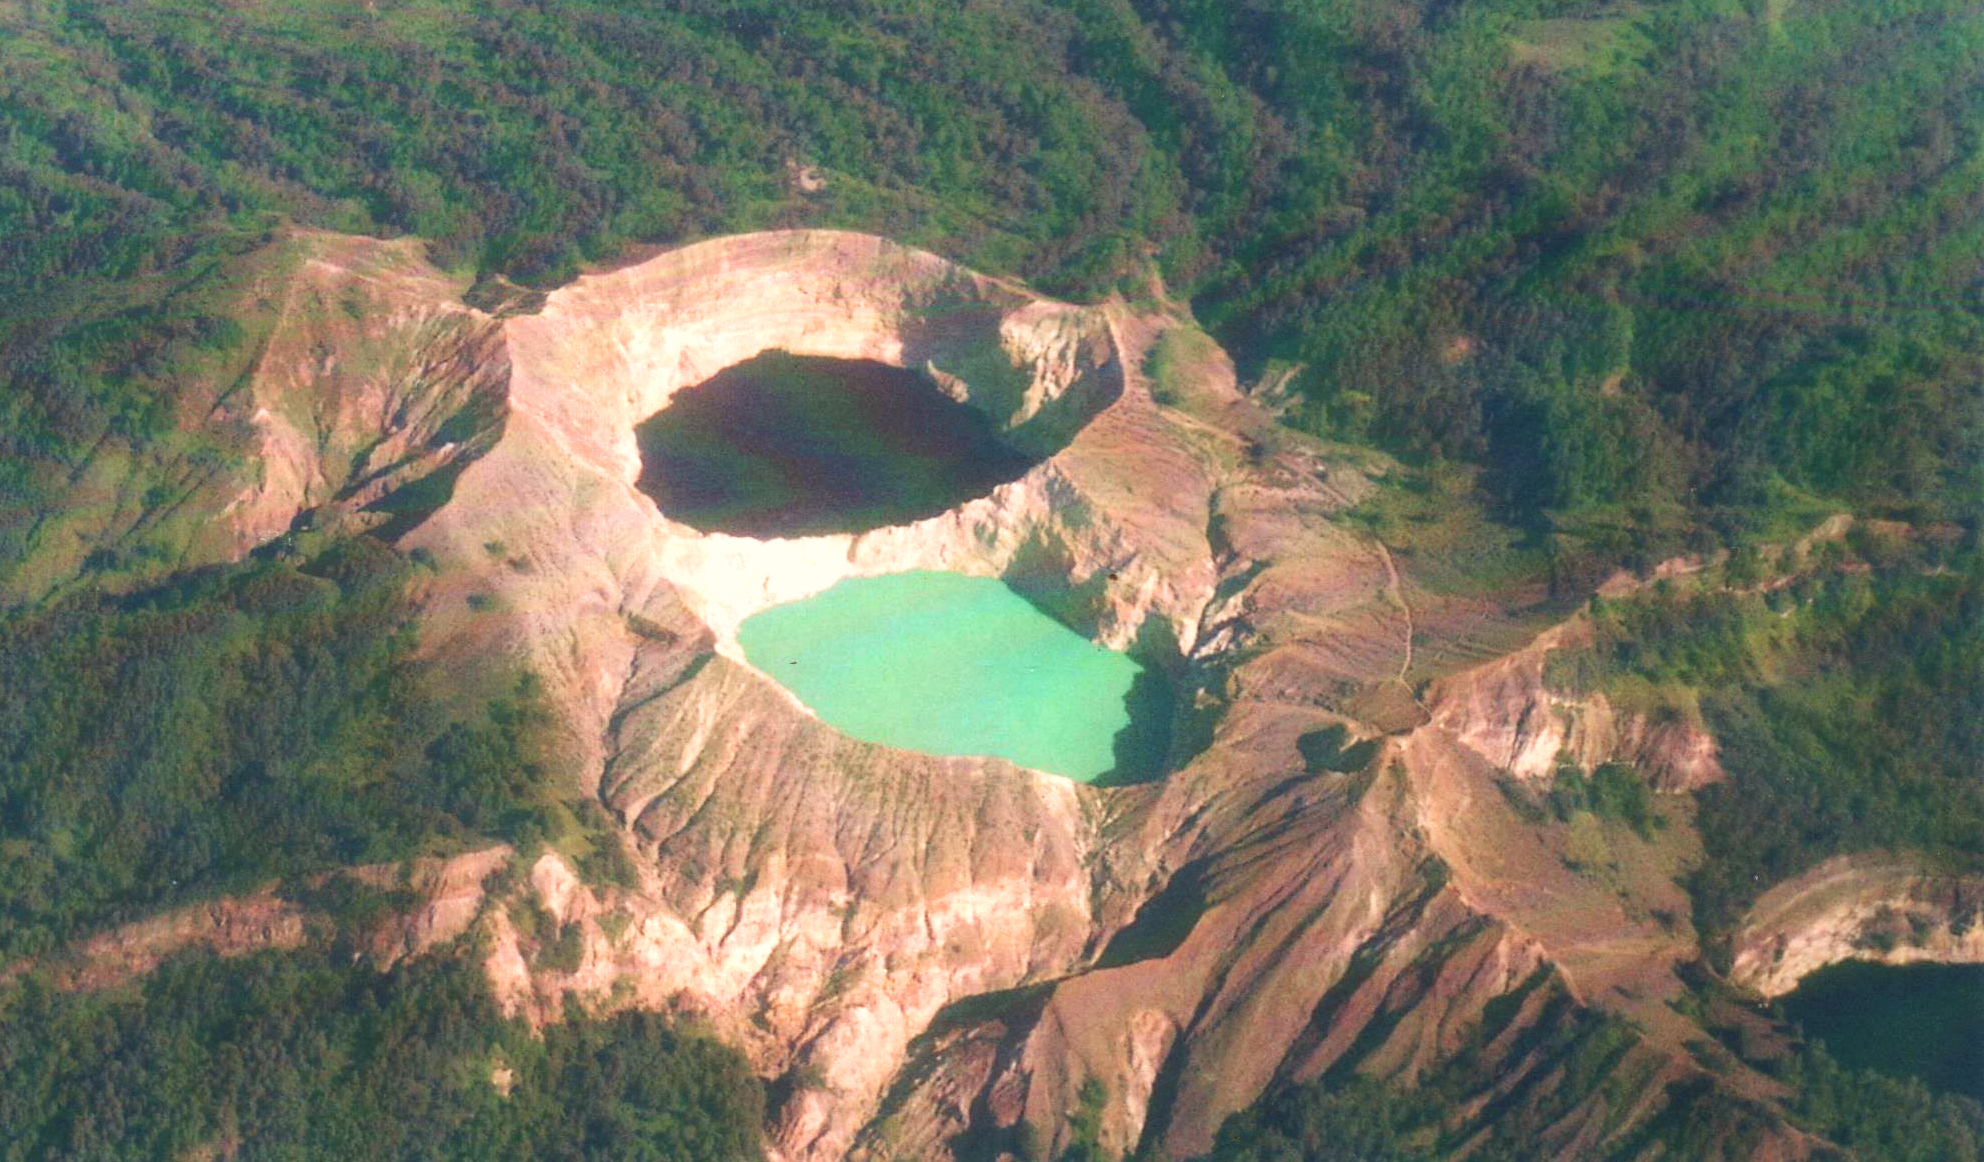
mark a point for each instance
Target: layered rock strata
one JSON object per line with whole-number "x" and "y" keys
{"x": 1891, "y": 909}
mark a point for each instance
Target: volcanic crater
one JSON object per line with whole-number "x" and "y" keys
{"x": 942, "y": 956}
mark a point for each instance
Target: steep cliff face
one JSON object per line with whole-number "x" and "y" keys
{"x": 1507, "y": 713}
{"x": 930, "y": 957}
{"x": 1890, "y": 909}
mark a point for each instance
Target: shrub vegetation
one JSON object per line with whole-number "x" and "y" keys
{"x": 1846, "y": 708}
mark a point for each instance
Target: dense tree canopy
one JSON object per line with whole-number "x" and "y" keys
{"x": 238, "y": 725}
{"x": 295, "y": 1056}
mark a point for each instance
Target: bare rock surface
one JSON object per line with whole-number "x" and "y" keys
{"x": 232, "y": 926}
{"x": 1507, "y": 713}
{"x": 1891, "y": 909}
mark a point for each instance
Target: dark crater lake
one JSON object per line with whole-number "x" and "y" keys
{"x": 785, "y": 445}
{"x": 1913, "y": 1020}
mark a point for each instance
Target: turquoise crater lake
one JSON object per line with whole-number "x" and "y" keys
{"x": 954, "y": 665}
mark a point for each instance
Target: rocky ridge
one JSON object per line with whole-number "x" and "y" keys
{"x": 1891, "y": 909}
{"x": 1507, "y": 713}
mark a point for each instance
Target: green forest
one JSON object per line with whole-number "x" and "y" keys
{"x": 1878, "y": 1118}
{"x": 240, "y": 725}
{"x": 293, "y": 1056}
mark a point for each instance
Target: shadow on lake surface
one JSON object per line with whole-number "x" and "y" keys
{"x": 1917, "y": 1020}
{"x": 1143, "y": 745}
{"x": 785, "y": 445}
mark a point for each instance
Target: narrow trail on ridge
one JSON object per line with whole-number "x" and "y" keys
{"x": 1396, "y": 593}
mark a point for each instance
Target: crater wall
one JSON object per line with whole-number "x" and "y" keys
{"x": 818, "y": 899}
{"x": 1891, "y": 909}
{"x": 1038, "y": 369}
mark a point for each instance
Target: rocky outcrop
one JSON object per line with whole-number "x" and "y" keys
{"x": 373, "y": 379}
{"x": 431, "y": 902}
{"x": 228, "y": 927}
{"x": 447, "y": 895}
{"x": 1040, "y": 370}
{"x": 1507, "y": 713}
{"x": 1891, "y": 909}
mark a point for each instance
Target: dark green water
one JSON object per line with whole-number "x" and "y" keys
{"x": 953, "y": 665}
{"x": 1917, "y": 1020}
{"x": 785, "y": 445}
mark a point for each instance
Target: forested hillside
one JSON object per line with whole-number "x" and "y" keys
{"x": 1664, "y": 270}
{"x": 294, "y": 1055}
{"x": 238, "y": 725}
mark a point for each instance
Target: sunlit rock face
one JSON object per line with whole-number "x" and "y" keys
{"x": 1038, "y": 370}
{"x": 1094, "y": 523}
{"x": 1888, "y": 908}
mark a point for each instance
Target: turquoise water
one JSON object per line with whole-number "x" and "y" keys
{"x": 954, "y": 665}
